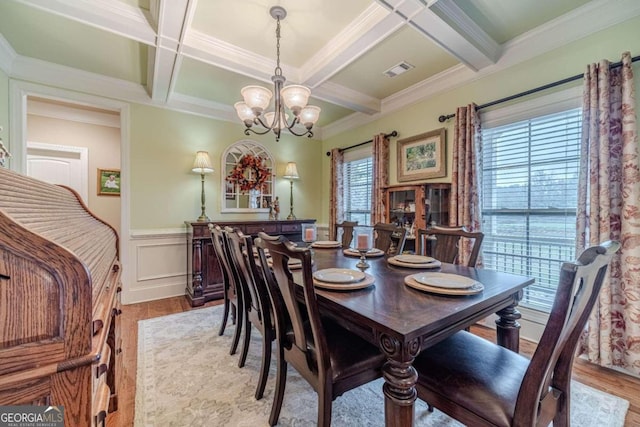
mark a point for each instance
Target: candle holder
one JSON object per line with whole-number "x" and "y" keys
{"x": 309, "y": 234}
{"x": 363, "y": 238}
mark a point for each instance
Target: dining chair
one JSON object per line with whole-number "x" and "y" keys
{"x": 443, "y": 243}
{"x": 232, "y": 293}
{"x": 389, "y": 237}
{"x": 257, "y": 305}
{"x": 482, "y": 384}
{"x": 330, "y": 358}
{"x": 347, "y": 232}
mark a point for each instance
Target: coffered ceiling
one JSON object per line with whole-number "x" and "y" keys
{"x": 196, "y": 55}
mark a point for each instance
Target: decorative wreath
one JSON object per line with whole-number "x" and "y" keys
{"x": 249, "y": 173}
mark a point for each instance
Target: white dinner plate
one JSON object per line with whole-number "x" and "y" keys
{"x": 293, "y": 263}
{"x": 394, "y": 261}
{"x": 412, "y": 283}
{"x": 326, "y": 244}
{"x": 444, "y": 280}
{"x": 338, "y": 275}
{"x": 414, "y": 259}
{"x": 365, "y": 283}
{"x": 375, "y": 252}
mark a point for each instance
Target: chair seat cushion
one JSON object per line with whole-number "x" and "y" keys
{"x": 473, "y": 373}
{"x": 350, "y": 355}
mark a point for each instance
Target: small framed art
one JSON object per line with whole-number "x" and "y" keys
{"x": 422, "y": 156}
{"x": 108, "y": 182}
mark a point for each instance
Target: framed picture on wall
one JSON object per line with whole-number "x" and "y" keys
{"x": 422, "y": 156}
{"x": 108, "y": 182}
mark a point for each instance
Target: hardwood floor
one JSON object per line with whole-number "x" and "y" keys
{"x": 604, "y": 379}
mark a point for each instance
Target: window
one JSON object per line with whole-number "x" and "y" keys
{"x": 241, "y": 157}
{"x": 357, "y": 178}
{"x": 529, "y": 198}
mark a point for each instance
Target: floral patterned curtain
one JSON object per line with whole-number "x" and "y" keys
{"x": 609, "y": 209}
{"x": 336, "y": 205}
{"x": 464, "y": 204}
{"x": 380, "y": 150}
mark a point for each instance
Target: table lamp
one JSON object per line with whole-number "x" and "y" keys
{"x": 202, "y": 165}
{"x": 291, "y": 173}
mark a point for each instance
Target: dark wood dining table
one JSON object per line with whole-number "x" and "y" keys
{"x": 403, "y": 321}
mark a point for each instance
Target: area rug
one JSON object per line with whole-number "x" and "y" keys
{"x": 186, "y": 377}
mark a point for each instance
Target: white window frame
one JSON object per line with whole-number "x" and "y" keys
{"x": 353, "y": 155}
{"x": 532, "y": 321}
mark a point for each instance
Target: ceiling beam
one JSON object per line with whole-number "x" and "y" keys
{"x": 463, "y": 38}
{"x": 112, "y": 16}
{"x": 171, "y": 18}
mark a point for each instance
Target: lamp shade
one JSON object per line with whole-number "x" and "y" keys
{"x": 309, "y": 115}
{"x": 256, "y": 97}
{"x": 244, "y": 112}
{"x": 202, "y": 164}
{"x": 270, "y": 116}
{"x": 295, "y": 96}
{"x": 291, "y": 171}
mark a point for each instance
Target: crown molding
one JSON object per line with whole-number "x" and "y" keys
{"x": 55, "y": 75}
{"x": 74, "y": 114}
{"x": 582, "y": 22}
{"x": 468, "y": 42}
{"x": 7, "y": 55}
{"x": 113, "y": 16}
{"x": 202, "y": 107}
{"x": 364, "y": 33}
{"x": 348, "y": 98}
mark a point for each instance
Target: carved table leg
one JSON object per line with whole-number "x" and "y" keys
{"x": 400, "y": 380}
{"x": 508, "y": 328}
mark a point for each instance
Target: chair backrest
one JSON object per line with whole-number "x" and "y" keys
{"x": 385, "y": 235}
{"x": 292, "y": 316}
{"x": 241, "y": 248}
{"x": 550, "y": 368}
{"x": 347, "y": 232}
{"x": 219, "y": 247}
{"x": 443, "y": 243}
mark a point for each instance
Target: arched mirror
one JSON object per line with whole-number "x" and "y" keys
{"x": 248, "y": 181}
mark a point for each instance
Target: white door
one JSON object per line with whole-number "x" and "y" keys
{"x": 59, "y": 164}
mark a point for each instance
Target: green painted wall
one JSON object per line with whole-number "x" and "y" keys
{"x": 556, "y": 65}
{"x": 4, "y": 109}
{"x": 164, "y": 191}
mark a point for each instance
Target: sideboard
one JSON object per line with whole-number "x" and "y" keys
{"x": 204, "y": 277}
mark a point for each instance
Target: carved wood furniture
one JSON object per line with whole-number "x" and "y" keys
{"x": 330, "y": 358}
{"x": 233, "y": 296}
{"x": 389, "y": 237}
{"x": 204, "y": 277}
{"x": 479, "y": 383}
{"x": 59, "y": 302}
{"x": 443, "y": 243}
{"x": 403, "y": 321}
{"x": 347, "y": 232}
{"x": 256, "y": 300}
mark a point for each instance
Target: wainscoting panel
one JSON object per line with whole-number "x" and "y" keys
{"x": 157, "y": 265}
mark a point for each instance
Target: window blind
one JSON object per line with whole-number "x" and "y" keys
{"x": 529, "y": 199}
{"x": 358, "y": 176}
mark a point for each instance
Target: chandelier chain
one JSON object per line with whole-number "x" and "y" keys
{"x": 278, "y": 69}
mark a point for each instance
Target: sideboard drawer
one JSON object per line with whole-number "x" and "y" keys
{"x": 291, "y": 228}
{"x": 265, "y": 228}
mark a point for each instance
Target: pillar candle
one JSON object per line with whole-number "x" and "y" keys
{"x": 308, "y": 234}
{"x": 363, "y": 241}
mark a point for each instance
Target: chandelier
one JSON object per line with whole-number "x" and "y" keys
{"x": 295, "y": 97}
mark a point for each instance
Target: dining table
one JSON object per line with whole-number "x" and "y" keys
{"x": 403, "y": 321}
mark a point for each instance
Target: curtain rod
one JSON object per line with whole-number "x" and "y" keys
{"x": 444, "y": 118}
{"x": 393, "y": 133}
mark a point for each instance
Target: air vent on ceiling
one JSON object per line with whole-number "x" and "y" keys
{"x": 398, "y": 69}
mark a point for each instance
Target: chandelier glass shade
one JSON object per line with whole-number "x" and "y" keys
{"x": 256, "y": 99}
